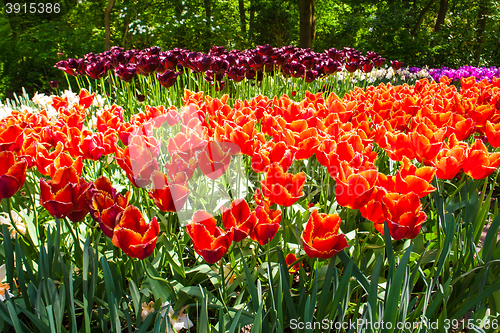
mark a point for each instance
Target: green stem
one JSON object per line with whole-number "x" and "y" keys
{"x": 151, "y": 276}
{"x": 9, "y": 208}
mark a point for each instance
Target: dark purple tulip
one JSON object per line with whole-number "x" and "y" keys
{"x": 72, "y": 66}
{"x": 335, "y": 55}
{"x": 372, "y": 55}
{"x": 217, "y": 51}
{"x": 141, "y": 98}
{"x": 169, "y": 60}
{"x": 155, "y": 50}
{"x": 306, "y": 60}
{"x": 268, "y": 65}
{"x": 265, "y": 50}
{"x": 331, "y": 66}
{"x": 396, "y": 64}
{"x": 117, "y": 59}
{"x": 219, "y": 65}
{"x": 297, "y": 69}
{"x": 250, "y": 74}
{"x": 125, "y": 73}
{"x": 168, "y": 78}
{"x": 98, "y": 69}
{"x": 352, "y": 66}
{"x": 256, "y": 62}
{"x": 212, "y": 76}
{"x": 310, "y": 75}
{"x": 54, "y": 84}
{"x": 367, "y": 66}
{"x": 147, "y": 64}
{"x": 236, "y": 74}
{"x": 203, "y": 63}
{"x": 378, "y": 62}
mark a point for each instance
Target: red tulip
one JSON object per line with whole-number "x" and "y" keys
{"x": 237, "y": 218}
{"x": 11, "y": 137}
{"x": 167, "y": 196}
{"x": 403, "y": 214}
{"x": 64, "y": 195}
{"x": 410, "y": 179}
{"x": 373, "y": 210}
{"x": 354, "y": 190}
{"x": 450, "y": 159}
{"x": 12, "y": 174}
{"x": 136, "y": 238}
{"x": 290, "y": 259}
{"x": 209, "y": 241}
{"x": 269, "y": 153}
{"x": 138, "y": 162}
{"x": 266, "y": 223}
{"x": 106, "y": 204}
{"x": 85, "y": 98}
{"x": 321, "y": 238}
{"x": 215, "y": 158}
{"x": 493, "y": 134}
{"x": 479, "y": 163}
{"x": 282, "y": 188}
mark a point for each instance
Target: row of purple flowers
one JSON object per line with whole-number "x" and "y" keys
{"x": 480, "y": 73}
{"x": 219, "y": 62}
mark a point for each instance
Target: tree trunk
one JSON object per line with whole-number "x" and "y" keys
{"x": 313, "y": 19}
{"x": 307, "y": 23}
{"x": 443, "y": 7}
{"x": 252, "y": 20}
{"x": 107, "y": 22}
{"x": 482, "y": 16}
{"x": 208, "y": 15}
{"x": 420, "y": 18}
{"x": 243, "y": 20}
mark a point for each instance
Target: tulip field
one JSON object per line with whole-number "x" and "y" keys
{"x": 265, "y": 190}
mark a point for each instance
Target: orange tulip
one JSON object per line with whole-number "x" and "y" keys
{"x": 167, "y": 196}
{"x": 410, "y": 179}
{"x": 479, "y": 163}
{"x": 354, "y": 190}
{"x": 209, "y": 241}
{"x": 106, "y": 204}
{"x": 12, "y": 174}
{"x": 321, "y": 238}
{"x": 282, "y": 188}
{"x": 403, "y": 214}
{"x": 134, "y": 236}
{"x": 237, "y": 218}
{"x": 266, "y": 223}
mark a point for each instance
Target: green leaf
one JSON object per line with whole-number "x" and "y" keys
{"x": 251, "y": 287}
{"x": 392, "y": 300}
{"x": 13, "y": 314}
{"x": 9, "y": 257}
{"x": 161, "y": 289}
{"x": 373, "y": 293}
{"x": 325, "y": 292}
{"x": 363, "y": 281}
{"x": 286, "y": 287}
{"x": 340, "y": 292}
{"x": 235, "y": 321}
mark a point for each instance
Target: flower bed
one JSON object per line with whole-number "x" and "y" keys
{"x": 257, "y": 212}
